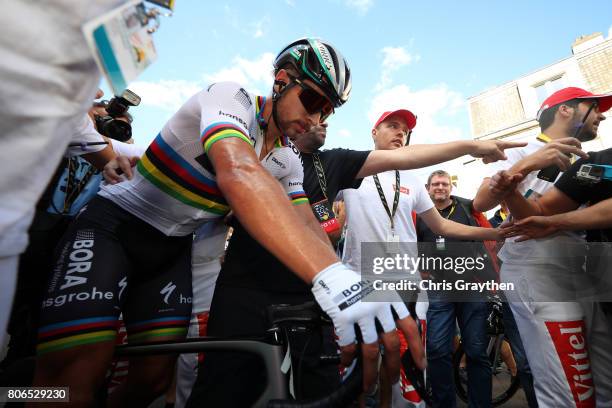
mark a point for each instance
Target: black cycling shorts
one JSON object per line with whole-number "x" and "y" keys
{"x": 111, "y": 262}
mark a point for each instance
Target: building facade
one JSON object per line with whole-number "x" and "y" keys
{"x": 508, "y": 111}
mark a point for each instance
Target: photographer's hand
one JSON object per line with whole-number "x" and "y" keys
{"x": 120, "y": 165}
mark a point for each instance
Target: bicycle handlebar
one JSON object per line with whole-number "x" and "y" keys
{"x": 270, "y": 350}
{"x": 271, "y": 354}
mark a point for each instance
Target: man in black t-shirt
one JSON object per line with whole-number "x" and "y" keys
{"x": 446, "y": 307}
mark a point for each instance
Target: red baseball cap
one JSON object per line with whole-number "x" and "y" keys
{"x": 567, "y": 94}
{"x": 408, "y": 116}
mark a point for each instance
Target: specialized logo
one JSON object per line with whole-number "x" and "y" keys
{"x": 570, "y": 342}
{"x": 167, "y": 291}
{"x": 275, "y": 160}
{"x": 80, "y": 257}
{"x": 243, "y": 97}
{"x": 232, "y": 116}
{"x": 122, "y": 285}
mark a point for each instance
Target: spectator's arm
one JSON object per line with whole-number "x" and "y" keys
{"x": 100, "y": 158}
{"x": 447, "y": 228}
{"x": 418, "y": 156}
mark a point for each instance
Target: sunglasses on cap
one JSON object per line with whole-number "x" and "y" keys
{"x": 313, "y": 101}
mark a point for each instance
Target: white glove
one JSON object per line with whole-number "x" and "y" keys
{"x": 340, "y": 291}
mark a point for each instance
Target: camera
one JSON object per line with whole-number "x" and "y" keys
{"x": 594, "y": 173}
{"x": 117, "y": 107}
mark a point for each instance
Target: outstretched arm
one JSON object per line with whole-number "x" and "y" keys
{"x": 448, "y": 228}
{"x": 418, "y": 156}
{"x": 494, "y": 190}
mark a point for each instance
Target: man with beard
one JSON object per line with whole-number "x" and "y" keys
{"x": 548, "y": 273}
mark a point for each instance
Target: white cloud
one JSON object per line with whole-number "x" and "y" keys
{"x": 433, "y": 106}
{"x": 344, "y": 133}
{"x": 394, "y": 59}
{"x": 168, "y": 95}
{"x": 255, "y": 75}
{"x": 610, "y": 32}
{"x": 362, "y": 6}
{"x": 290, "y": 3}
{"x": 258, "y": 27}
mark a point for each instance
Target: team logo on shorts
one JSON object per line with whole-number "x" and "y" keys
{"x": 167, "y": 291}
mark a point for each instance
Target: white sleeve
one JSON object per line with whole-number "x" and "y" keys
{"x": 85, "y": 133}
{"x": 224, "y": 110}
{"x": 127, "y": 149}
{"x": 423, "y": 200}
{"x": 285, "y": 165}
{"x": 293, "y": 182}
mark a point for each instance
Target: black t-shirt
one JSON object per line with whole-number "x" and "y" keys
{"x": 248, "y": 264}
{"x": 584, "y": 193}
{"x": 426, "y": 238}
{"x": 424, "y": 234}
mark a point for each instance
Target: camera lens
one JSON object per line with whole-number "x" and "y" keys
{"x": 115, "y": 129}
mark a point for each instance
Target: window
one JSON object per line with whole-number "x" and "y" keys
{"x": 545, "y": 89}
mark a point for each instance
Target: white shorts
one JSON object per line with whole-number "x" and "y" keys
{"x": 568, "y": 343}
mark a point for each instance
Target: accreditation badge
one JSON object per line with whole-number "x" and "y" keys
{"x": 325, "y": 214}
{"x": 392, "y": 244}
{"x": 121, "y": 43}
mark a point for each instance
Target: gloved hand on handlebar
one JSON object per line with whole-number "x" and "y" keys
{"x": 341, "y": 293}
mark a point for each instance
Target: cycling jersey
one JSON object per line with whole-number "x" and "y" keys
{"x": 172, "y": 192}
{"x": 174, "y": 187}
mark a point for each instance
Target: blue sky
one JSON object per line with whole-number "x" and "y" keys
{"x": 424, "y": 56}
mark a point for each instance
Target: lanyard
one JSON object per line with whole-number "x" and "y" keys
{"x": 543, "y": 138}
{"x": 73, "y": 189}
{"x": 381, "y": 193}
{"x": 452, "y": 210}
{"x": 316, "y": 161}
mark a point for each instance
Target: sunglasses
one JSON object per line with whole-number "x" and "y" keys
{"x": 313, "y": 101}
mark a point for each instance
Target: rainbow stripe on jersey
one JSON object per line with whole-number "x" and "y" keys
{"x": 298, "y": 197}
{"x": 221, "y": 130}
{"x": 167, "y": 170}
